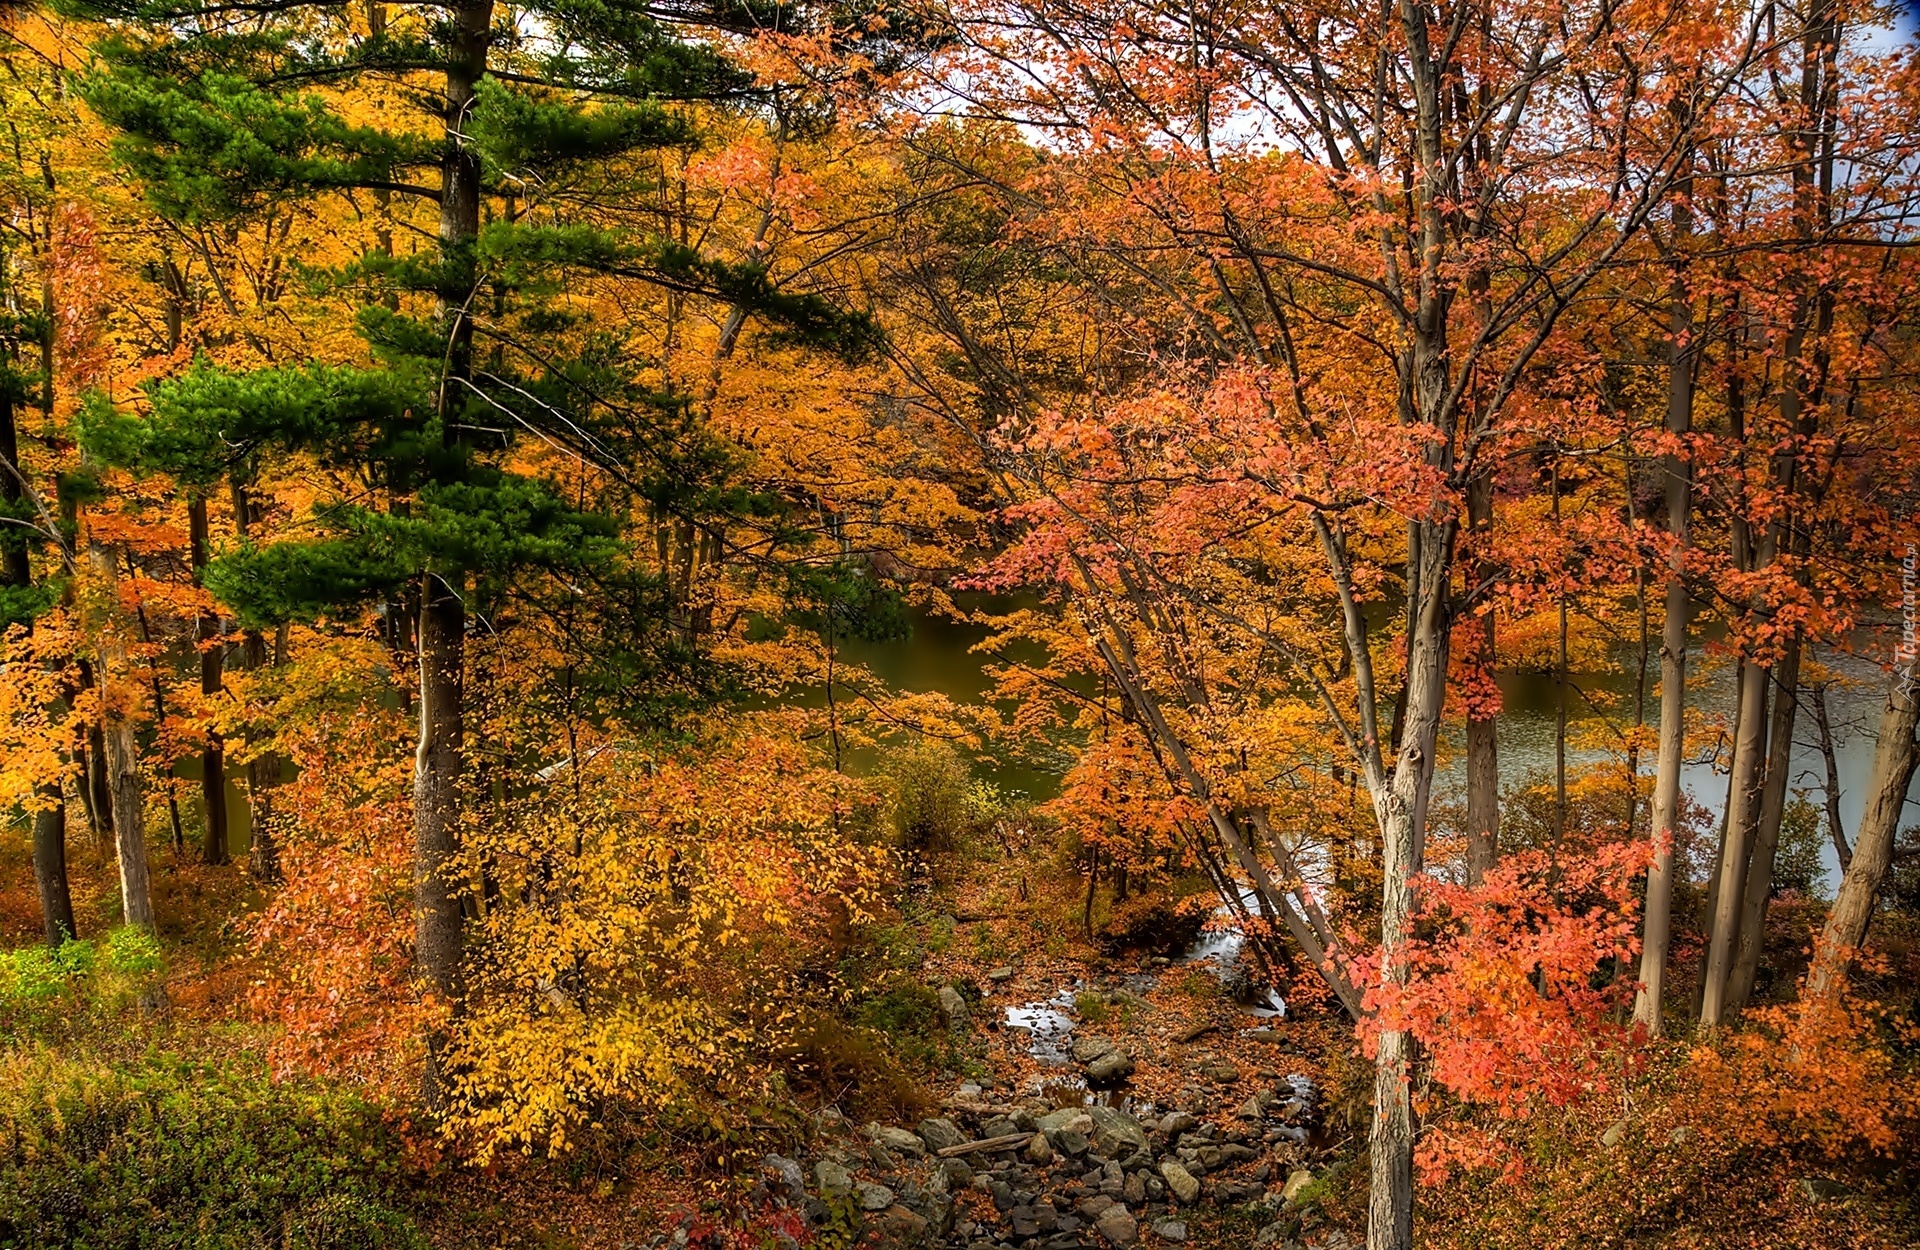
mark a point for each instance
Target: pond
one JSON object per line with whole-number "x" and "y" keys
{"x": 938, "y": 657}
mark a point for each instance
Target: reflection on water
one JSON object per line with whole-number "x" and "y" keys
{"x": 1049, "y": 1026}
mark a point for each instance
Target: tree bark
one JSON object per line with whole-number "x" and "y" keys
{"x": 438, "y": 887}
{"x": 99, "y": 786}
{"x": 1894, "y": 758}
{"x": 1401, "y": 810}
{"x": 1750, "y": 942}
{"x": 438, "y": 890}
{"x": 129, "y": 822}
{"x": 50, "y": 865}
{"x": 1736, "y": 850}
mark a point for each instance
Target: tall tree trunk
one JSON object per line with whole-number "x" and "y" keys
{"x": 1649, "y": 1002}
{"x": 1560, "y": 682}
{"x": 438, "y": 889}
{"x": 1750, "y": 942}
{"x": 121, "y": 749}
{"x": 438, "y": 885}
{"x": 1483, "y": 742}
{"x": 213, "y": 756}
{"x": 1401, "y": 810}
{"x": 1894, "y": 757}
{"x": 129, "y": 821}
{"x": 1736, "y": 848}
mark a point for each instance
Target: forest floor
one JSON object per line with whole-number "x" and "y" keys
{"x": 1143, "y": 1105}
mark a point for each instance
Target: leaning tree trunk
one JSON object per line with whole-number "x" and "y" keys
{"x": 1649, "y": 1003}
{"x": 1894, "y": 758}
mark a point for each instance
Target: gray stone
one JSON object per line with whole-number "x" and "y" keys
{"x": 790, "y": 1175}
{"x": 1170, "y": 1230}
{"x": 898, "y": 1140}
{"x": 834, "y": 1180}
{"x": 954, "y": 1003}
{"x": 1003, "y": 973}
{"x": 1275, "y": 1235}
{"x": 1615, "y": 1134}
{"x": 1179, "y": 1180}
{"x": 873, "y": 1197}
{"x": 1076, "y": 1118}
{"x": 1109, "y": 1069}
{"x": 1087, "y": 1049}
{"x": 1251, "y": 1110}
{"x": 1134, "y": 1192}
{"x": 941, "y": 1133}
{"x": 958, "y": 1174}
{"x": 1039, "y": 1151}
{"x": 1092, "y": 1205}
{"x": 1117, "y": 1225}
{"x": 1819, "y": 1188}
{"x": 1071, "y": 1141}
{"x": 1297, "y": 1180}
{"x": 1174, "y": 1123}
{"x": 1115, "y": 1133}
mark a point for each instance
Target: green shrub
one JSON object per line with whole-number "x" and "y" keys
{"x": 165, "y": 1152}
{"x": 907, "y": 1009}
{"x": 35, "y": 973}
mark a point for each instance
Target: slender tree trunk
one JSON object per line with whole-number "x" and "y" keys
{"x": 1483, "y": 742}
{"x": 129, "y": 822}
{"x": 1894, "y": 757}
{"x": 1750, "y": 943}
{"x": 438, "y": 889}
{"x": 1736, "y": 850}
{"x": 99, "y": 785}
{"x": 1401, "y": 812}
{"x": 1828, "y": 756}
{"x": 1649, "y": 1003}
{"x": 213, "y": 756}
{"x": 1560, "y": 677}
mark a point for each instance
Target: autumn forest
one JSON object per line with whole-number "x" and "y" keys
{"x": 959, "y": 624}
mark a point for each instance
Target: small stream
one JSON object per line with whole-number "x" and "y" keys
{"x": 1220, "y": 947}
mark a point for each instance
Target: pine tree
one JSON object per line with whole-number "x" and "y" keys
{"x": 528, "y": 130}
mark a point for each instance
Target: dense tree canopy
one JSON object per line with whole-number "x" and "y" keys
{"x": 702, "y": 553}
